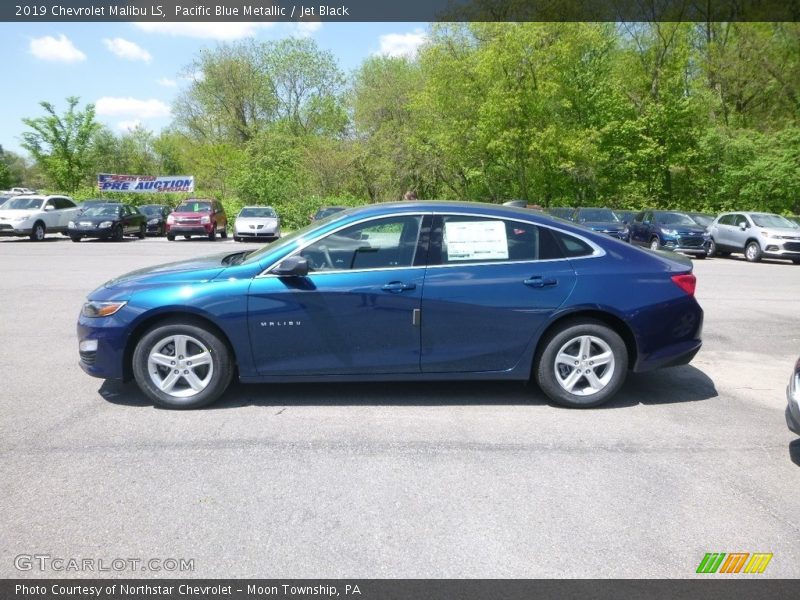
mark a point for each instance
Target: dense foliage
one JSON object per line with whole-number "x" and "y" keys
{"x": 685, "y": 115}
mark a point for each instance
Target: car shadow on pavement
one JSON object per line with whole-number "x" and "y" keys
{"x": 676, "y": 385}
{"x": 794, "y": 452}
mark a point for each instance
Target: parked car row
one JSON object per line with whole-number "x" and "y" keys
{"x": 755, "y": 235}
{"x": 35, "y": 215}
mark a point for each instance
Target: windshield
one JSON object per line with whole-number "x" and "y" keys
{"x": 290, "y": 238}
{"x": 326, "y": 212}
{"x": 773, "y": 221}
{"x": 597, "y": 214}
{"x": 104, "y": 210}
{"x": 674, "y": 219}
{"x": 23, "y": 204}
{"x": 150, "y": 211}
{"x": 194, "y": 207}
{"x": 263, "y": 212}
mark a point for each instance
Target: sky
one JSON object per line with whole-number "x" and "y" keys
{"x": 133, "y": 71}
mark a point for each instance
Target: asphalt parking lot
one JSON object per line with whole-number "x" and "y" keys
{"x": 396, "y": 480}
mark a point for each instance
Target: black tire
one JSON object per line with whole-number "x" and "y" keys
{"x": 38, "y": 232}
{"x": 752, "y": 252}
{"x": 118, "y": 233}
{"x": 224, "y": 234}
{"x": 163, "y": 231}
{"x": 187, "y": 237}
{"x": 236, "y": 238}
{"x": 712, "y": 248}
{"x": 75, "y": 238}
{"x": 566, "y": 338}
{"x": 219, "y": 374}
{"x": 170, "y": 237}
{"x": 142, "y": 231}
{"x": 213, "y": 235}
{"x": 699, "y": 256}
{"x": 654, "y": 241}
{"x": 796, "y": 261}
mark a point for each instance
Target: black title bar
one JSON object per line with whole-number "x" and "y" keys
{"x": 398, "y": 10}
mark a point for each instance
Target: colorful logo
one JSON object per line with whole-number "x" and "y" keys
{"x": 734, "y": 562}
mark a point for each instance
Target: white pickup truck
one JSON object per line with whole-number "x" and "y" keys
{"x": 35, "y": 216}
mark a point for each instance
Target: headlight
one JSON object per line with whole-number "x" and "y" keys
{"x": 205, "y": 219}
{"x": 153, "y": 222}
{"x": 105, "y": 224}
{"x": 669, "y": 231}
{"x": 170, "y": 219}
{"x": 71, "y": 224}
{"x": 765, "y": 234}
{"x": 101, "y": 309}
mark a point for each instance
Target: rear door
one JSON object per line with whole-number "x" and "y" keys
{"x": 490, "y": 285}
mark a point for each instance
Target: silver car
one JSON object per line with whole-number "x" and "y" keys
{"x": 258, "y": 223}
{"x": 756, "y": 235}
{"x": 793, "y": 398}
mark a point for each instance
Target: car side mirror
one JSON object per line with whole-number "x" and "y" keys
{"x": 49, "y": 207}
{"x": 742, "y": 225}
{"x": 294, "y": 266}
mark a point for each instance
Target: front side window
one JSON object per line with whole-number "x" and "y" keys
{"x": 377, "y": 244}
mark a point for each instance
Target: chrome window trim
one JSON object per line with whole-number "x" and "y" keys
{"x": 597, "y": 250}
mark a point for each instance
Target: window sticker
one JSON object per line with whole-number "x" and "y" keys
{"x": 475, "y": 240}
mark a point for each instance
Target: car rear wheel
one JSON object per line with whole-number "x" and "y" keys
{"x": 170, "y": 237}
{"x": 187, "y": 237}
{"x": 796, "y": 261}
{"x": 142, "y": 231}
{"x": 236, "y": 238}
{"x": 582, "y": 364}
{"x": 38, "y": 231}
{"x": 752, "y": 252}
{"x": 224, "y": 233}
{"x": 180, "y": 365}
{"x": 75, "y": 238}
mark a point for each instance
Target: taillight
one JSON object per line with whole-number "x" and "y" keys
{"x": 687, "y": 282}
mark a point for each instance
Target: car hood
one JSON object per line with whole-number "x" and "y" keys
{"x": 10, "y": 215}
{"x": 191, "y": 215}
{"x": 96, "y": 218}
{"x": 256, "y": 221}
{"x": 684, "y": 229}
{"x": 604, "y": 225}
{"x": 198, "y": 269}
{"x": 782, "y": 231}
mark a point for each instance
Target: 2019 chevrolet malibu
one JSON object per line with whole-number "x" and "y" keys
{"x": 400, "y": 291}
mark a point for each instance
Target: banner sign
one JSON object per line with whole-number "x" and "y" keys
{"x": 146, "y": 184}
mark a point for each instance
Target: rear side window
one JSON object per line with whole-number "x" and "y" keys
{"x": 571, "y": 246}
{"x": 464, "y": 240}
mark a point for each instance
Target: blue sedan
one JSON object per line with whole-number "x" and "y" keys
{"x": 405, "y": 291}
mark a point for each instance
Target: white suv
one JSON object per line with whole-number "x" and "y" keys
{"x": 755, "y": 235}
{"x": 35, "y": 215}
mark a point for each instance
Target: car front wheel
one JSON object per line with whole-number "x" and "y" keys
{"x": 752, "y": 252}
{"x": 582, "y": 364}
{"x": 654, "y": 245}
{"x": 38, "y": 231}
{"x": 181, "y": 365}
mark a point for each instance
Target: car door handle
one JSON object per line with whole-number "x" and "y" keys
{"x": 538, "y": 281}
{"x": 398, "y": 286}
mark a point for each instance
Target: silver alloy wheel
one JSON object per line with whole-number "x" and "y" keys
{"x": 38, "y": 232}
{"x": 654, "y": 244}
{"x": 751, "y": 251}
{"x": 584, "y": 365}
{"x": 180, "y": 366}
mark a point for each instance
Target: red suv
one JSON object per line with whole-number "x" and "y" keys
{"x": 197, "y": 217}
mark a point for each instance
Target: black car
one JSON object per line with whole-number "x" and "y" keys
{"x": 156, "y": 218}
{"x": 602, "y": 220}
{"x": 108, "y": 221}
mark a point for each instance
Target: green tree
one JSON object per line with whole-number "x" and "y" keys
{"x": 61, "y": 144}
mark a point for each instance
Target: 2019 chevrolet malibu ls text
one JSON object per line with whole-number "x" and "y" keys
{"x": 400, "y": 291}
